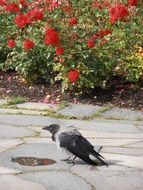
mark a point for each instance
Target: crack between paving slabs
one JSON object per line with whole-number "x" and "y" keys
{"x": 131, "y": 144}
{"x": 84, "y": 179}
{"x": 137, "y": 169}
{"x": 60, "y": 170}
{"x": 29, "y": 180}
{"x": 13, "y": 147}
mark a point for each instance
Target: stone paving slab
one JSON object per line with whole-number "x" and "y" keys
{"x": 94, "y": 134}
{"x": 27, "y": 120}
{"x": 98, "y": 142}
{"x": 38, "y": 140}
{"x": 135, "y": 145}
{"x": 108, "y": 135}
{"x": 8, "y": 131}
{"x": 79, "y": 110}
{"x": 39, "y": 150}
{"x": 4, "y": 170}
{"x": 125, "y": 160}
{"x": 99, "y": 126}
{"x": 36, "y": 106}
{"x": 10, "y": 143}
{"x": 125, "y": 170}
{"x": 113, "y": 180}
{"x": 59, "y": 180}
{"x": 113, "y": 142}
{"x": 10, "y": 182}
{"x": 123, "y": 150}
{"x": 74, "y": 110}
{"x": 20, "y": 111}
{"x": 121, "y": 113}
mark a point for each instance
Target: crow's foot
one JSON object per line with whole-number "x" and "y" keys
{"x": 67, "y": 159}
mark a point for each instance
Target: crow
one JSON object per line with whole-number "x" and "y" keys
{"x": 74, "y": 143}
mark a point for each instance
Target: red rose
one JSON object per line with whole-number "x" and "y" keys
{"x": 35, "y": 14}
{"x": 28, "y": 44}
{"x": 73, "y": 21}
{"x": 73, "y": 75}
{"x": 51, "y": 37}
{"x": 22, "y": 20}
{"x": 2, "y": 2}
{"x": 132, "y": 2}
{"x": 11, "y": 43}
{"x": 90, "y": 43}
{"x": 12, "y": 7}
{"x": 118, "y": 12}
{"x": 60, "y": 50}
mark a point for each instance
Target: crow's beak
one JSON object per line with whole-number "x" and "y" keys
{"x": 46, "y": 128}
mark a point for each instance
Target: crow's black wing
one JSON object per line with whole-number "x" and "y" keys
{"x": 70, "y": 143}
{"x": 87, "y": 147}
{"x": 78, "y": 145}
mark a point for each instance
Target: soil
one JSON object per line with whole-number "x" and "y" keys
{"x": 121, "y": 94}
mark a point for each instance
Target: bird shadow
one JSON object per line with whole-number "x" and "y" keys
{"x": 80, "y": 162}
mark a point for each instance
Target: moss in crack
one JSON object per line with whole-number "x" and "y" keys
{"x": 13, "y": 101}
{"x": 62, "y": 105}
{"x": 98, "y": 113}
{"x": 37, "y": 133}
{"x": 59, "y": 115}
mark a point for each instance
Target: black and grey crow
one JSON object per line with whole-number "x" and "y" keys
{"x": 73, "y": 142}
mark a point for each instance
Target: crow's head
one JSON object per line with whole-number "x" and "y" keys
{"x": 53, "y": 128}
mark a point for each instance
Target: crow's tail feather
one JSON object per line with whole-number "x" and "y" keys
{"x": 87, "y": 160}
{"x": 98, "y": 157}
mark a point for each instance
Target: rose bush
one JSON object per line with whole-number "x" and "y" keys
{"x": 82, "y": 44}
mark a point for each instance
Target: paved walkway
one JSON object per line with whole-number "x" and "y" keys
{"x": 119, "y": 131}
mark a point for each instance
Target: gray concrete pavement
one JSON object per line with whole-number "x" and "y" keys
{"x": 21, "y": 135}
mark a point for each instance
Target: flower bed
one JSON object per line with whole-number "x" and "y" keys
{"x": 80, "y": 44}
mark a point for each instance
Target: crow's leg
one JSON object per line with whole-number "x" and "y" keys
{"x": 73, "y": 160}
{"x": 100, "y": 149}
